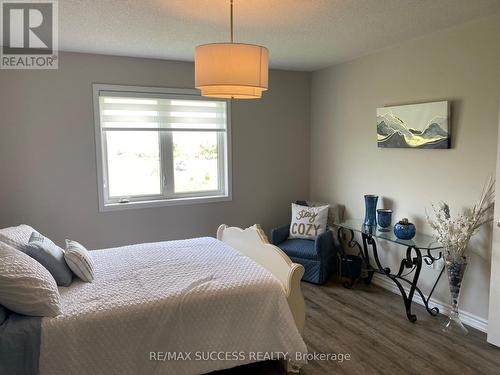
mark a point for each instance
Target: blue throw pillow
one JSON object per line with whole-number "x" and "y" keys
{"x": 51, "y": 256}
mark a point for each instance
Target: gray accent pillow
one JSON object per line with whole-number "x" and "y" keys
{"x": 79, "y": 260}
{"x": 3, "y": 314}
{"x": 51, "y": 256}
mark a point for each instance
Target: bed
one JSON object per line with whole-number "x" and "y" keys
{"x": 173, "y": 307}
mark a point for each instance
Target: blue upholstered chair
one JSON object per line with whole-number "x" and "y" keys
{"x": 317, "y": 256}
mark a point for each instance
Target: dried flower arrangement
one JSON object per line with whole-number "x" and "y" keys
{"x": 455, "y": 233}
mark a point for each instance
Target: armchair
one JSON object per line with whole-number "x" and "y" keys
{"x": 317, "y": 256}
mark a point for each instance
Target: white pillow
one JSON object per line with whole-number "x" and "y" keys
{"x": 335, "y": 211}
{"x": 17, "y": 237}
{"x": 79, "y": 261}
{"x": 308, "y": 222}
{"x": 26, "y": 287}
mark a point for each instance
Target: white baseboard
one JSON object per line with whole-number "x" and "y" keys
{"x": 444, "y": 308}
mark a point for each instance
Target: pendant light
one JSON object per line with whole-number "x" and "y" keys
{"x": 231, "y": 70}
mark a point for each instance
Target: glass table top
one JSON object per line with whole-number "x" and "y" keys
{"x": 422, "y": 241}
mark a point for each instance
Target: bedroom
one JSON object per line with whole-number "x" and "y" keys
{"x": 311, "y": 136}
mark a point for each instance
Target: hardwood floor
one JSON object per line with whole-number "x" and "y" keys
{"x": 370, "y": 324}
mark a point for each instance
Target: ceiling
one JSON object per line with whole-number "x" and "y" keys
{"x": 300, "y": 34}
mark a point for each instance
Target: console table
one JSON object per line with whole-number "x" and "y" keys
{"x": 411, "y": 262}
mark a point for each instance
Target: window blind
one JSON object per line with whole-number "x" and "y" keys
{"x": 136, "y": 113}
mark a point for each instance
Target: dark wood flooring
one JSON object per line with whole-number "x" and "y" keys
{"x": 370, "y": 324}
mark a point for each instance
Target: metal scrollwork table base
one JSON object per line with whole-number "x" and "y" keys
{"x": 410, "y": 265}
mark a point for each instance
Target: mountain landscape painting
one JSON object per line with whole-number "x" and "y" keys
{"x": 423, "y": 125}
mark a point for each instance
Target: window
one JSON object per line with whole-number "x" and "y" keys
{"x": 159, "y": 147}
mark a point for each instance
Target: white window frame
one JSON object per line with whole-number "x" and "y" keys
{"x": 164, "y": 199}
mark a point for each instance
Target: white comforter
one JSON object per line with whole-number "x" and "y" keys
{"x": 191, "y": 296}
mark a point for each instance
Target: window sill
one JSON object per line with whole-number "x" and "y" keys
{"x": 107, "y": 207}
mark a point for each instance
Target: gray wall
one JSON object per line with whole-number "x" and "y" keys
{"x": 461, "y": 64}
{"x": 48, "y": 164}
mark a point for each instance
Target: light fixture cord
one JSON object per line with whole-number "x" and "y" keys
{"x": 231, "y": 21}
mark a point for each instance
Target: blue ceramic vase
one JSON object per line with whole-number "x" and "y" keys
{"x": 404, "y": 230}
{"x": 371, "y": 210}
{"x": 384, "y": 219}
